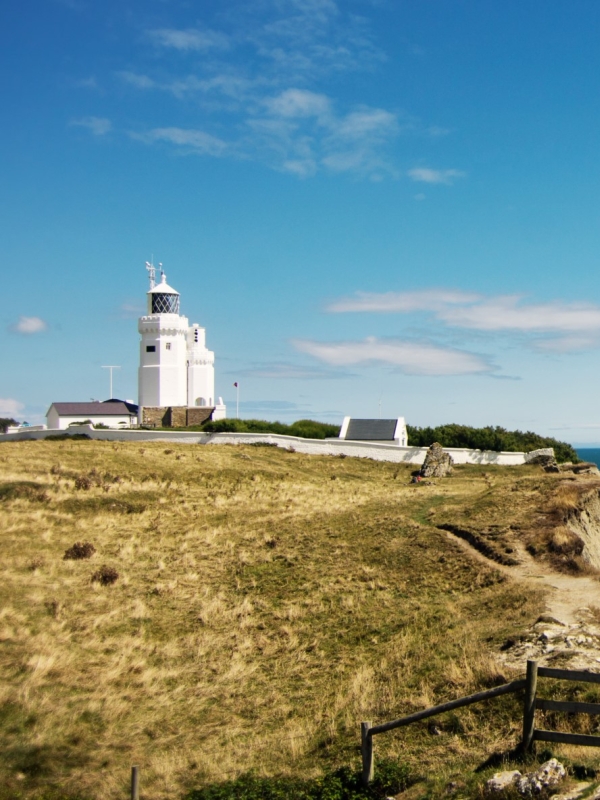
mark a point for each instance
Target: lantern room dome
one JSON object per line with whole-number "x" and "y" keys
{"x": 162, "y": 298}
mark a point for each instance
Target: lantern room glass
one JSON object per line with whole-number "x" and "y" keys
{"x": 165, "y": 303}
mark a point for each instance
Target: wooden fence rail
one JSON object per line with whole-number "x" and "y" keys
{"x": 531, "y": 702}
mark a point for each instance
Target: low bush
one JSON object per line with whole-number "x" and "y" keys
{"x": 105, "y": 576}
{"x": 305, "y": 428}
{"x": 341, "y": 784}
{"x": 79, "y": 551}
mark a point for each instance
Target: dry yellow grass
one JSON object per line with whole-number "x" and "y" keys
{"x": 266, "y": 603}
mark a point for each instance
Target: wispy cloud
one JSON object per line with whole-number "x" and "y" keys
{"x": 296, "y": 131}
{"x": 189, "y": 39}
{"x": 403, "y": 302}
{"x": 288, "y": 371}
{"x": 428, "y": 175}
{"x": 260, "y": 71}
{"x": 299, "y": 103}
{"x": 411, "y": 358}
{"x": 86, "y": 83}
{"x": 137, "y": 80}
{"x": 554, "y": 327}
{"x": 477, "y": 312}
{"x": 131, "y": 310}
{"x": 567, "y": 344}
{"x": 29, "y": 325}
{"x": 10, "y": 406}
{"x": 99, "y": 126}
{"x": 194, "y": 140}
{"x": 511, "y": 313}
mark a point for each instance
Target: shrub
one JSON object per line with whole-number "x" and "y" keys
{"x": 6, "y": 422}
{"x": 341, "y": 784}
{"x": 304, "y": 428}
{"x": 92, "y": 478}
{"x": 105, "y": 576}
{"x": 78, "y": 551}
{"x": 488, "y": 438}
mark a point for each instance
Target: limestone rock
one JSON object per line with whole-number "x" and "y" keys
{"x": 437, "y": 463}
{"x": 502, "y": 780}
{"x": 582, "y": 468}
{"x": 550, "y": 774}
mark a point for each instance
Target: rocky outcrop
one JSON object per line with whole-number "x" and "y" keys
{"x": 582, "y": 468}
{"x": 549, "y": 775}
{"x": 584, "y": 522}
{"x": 437, "y": 463}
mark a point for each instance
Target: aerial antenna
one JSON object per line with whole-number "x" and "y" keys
{"x": 163, "y": 277}
{"x": 152, "y": 273}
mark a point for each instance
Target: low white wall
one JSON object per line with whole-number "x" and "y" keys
{"x": 333, "y": 447}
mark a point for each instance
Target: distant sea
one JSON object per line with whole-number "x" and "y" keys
{"x": 589, "y": 454}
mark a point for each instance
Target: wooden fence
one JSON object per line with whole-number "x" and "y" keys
{"x": 531, "y": 702}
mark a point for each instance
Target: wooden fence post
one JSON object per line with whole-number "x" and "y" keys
{"x": 529, "y": 706}
{"x": 366, "y": 747}
{"x": 135, "y": 783}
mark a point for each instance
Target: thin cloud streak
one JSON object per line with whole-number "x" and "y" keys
{"x": 471, "y": 311}
{"x": 411, "y": 358}
{"x": 194, "y": 140}
{"x": 402, "y": 302}
{"x": 99, "y": 126}
{"x": 506, "y": 313}
{"x": 427, "y": 175}
{"x": 188, "y": 39}
{"x": 288, "y": 371}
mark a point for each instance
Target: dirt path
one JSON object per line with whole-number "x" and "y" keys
{"x": 568, "y": 633}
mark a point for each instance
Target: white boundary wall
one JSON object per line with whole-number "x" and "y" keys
{"x": 320, "y": 447}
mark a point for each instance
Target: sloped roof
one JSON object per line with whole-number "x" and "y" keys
{"x": 371, "y": 430}
{"x": 131, "y": 406}
{"x": 111, "y": 409}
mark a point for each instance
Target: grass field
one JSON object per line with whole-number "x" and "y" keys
{"x": 266, "y": 603}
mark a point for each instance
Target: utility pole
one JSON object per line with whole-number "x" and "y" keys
{"x": 111, "y": 367}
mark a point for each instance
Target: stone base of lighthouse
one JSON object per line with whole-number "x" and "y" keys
{"x": 179, "y": 416}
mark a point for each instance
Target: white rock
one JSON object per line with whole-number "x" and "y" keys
{"x": 549, "y": 774}
{"x": 501, "y": 780}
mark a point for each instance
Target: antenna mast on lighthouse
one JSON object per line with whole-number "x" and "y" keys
{"x": 152, "y": 273}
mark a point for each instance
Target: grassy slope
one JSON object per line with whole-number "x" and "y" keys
{"x": 267, "y": 603}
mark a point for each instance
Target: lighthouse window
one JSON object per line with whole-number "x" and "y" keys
{"x": 168, "y": 345}
{"x": 151, "y": 348}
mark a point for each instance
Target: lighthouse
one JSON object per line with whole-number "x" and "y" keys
{"x": 176, "y": 377}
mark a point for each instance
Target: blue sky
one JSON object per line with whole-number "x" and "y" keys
{"x": 365, "y": 202}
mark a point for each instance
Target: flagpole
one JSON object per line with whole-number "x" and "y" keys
{"x": 237, "y": 400}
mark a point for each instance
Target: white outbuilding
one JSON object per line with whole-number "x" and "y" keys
{"x": 112, "y": 413}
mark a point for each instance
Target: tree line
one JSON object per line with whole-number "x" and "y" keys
{"x": 488, "y": 438}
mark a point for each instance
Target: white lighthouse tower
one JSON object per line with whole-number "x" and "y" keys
{"x": 176, "y": 369}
